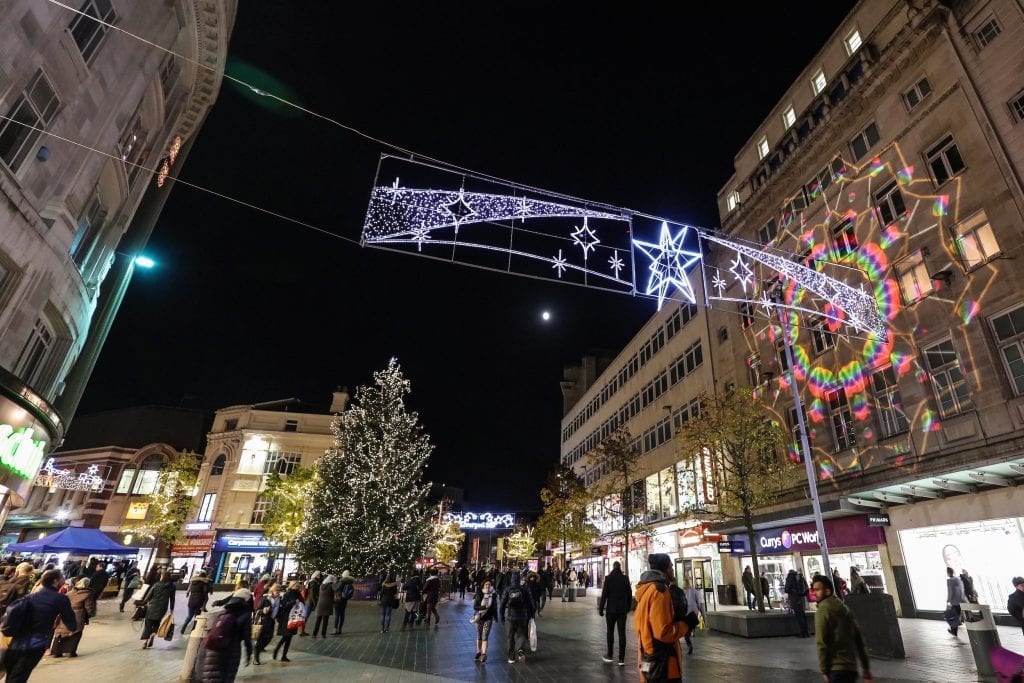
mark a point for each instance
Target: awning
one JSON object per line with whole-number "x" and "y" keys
{"x": 74, "y": 540}
{"x": 970, "y": 480}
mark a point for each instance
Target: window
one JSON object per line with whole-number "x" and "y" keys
{"x": 259, "y": 509}
{"x": 917, "y": 92}
{"x": 788, "y": 117}
{"x": 945, "y": 161}
{"x": 762, "y": 148}
{"x": 841, "y": 419}
{"x": 948, "y": 381}
{"x": 733, "y": 200}
{"x": 976, "y": 242}
{"x": 145, "y": 483}
{"x": 206, "y": 508}
{"x": 217, "y": 468}
{"x": 768, "y": 231}
{"x": 90, "y": 224}
{"x": 291, "y": 425}
{"x": 86, "y": 28}
{"x": 653, "y": 492}
{"x": 168, "y": 74}
{"x": 34, "y": 108}
{"x": 34, "y": 354}
{"x": 132, "y": 148}
{"x": 754, "y": 369}
{"x": 1009, "y": 329}
{"x": 818, "y": 82}
{"x": 845, "y": 236}
{"x": 796, "y": 451}
{"x": 891, "y": 418}
{"x": 822, "y": 337}
{"x": 230, "y": 425}
{"x": 913, "y": 277}
{"x": 889, "y": 201}
{"x": 864, "y": 141}
{"x": 746, "y": 314}
{"x": 987, "y": 33}
{"x": 780, "y": 352}
{"x": 852, "y": 41}
{"x": 124, "y": 484}
{"x": 1017, "y": 106}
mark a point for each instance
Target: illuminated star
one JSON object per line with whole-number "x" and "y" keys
{"x": 420, "y": 235}
{"x": 394, "y": 190}
{"x": 718, "y": 283}
{"x": 559, "y": 263}
{"x": 585, "y": 237}
{"x": 744, "y": 275}
{"x": 460, "y": 210}
{"x": 669, "y": 262}
{"x": 766, "y": 302}
{"x": 616, "y": 263}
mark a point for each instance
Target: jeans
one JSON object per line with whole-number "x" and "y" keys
{"x": 617, "y": 622}
{"x": 339, "y": 615}
{"x": 411, "y": 611}
{"x": 518, "y": 630}
{"x": 843, "y": 677}
{"x": 385, "y": 616}
{"x": 193, "y": 612}
{"x": 19, "y": 663}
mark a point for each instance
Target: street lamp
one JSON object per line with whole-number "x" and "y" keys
{"x": 144, "y": 262}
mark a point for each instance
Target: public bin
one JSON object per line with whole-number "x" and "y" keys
{"x": 981, "y": 631}
{"x": 571, "y": 594}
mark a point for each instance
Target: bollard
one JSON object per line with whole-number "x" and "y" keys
{"x": 195, "y": 639}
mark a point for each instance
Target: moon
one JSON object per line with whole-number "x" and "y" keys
{"x": 546, "y": 315}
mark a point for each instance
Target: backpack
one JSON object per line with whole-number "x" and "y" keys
{"x": 17, "y": 618}
{"x": 679, "y": 604}
{"x": 514, "y": 597}
{"x": 219, "y": 637}
{"x": 346, "y": 591}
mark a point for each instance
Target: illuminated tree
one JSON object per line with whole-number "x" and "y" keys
{"x": 736, "y": 448}
{"x": 620, "y": 493}
{"x": 520, "y": 544}
{"x": 448, "y": 538}
{"x": 367, "y": 511}
{"x": 171, "y": 499}
{"x": 565, "y": 519}
{"x": 289, "y": 499}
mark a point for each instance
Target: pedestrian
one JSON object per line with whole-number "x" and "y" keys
{"x": 842, "y": 589}
{"x": 289, "y": 600}
{"x": 312, "y": 598}
{"x": 694, "y": 611}
{"x": 221, "y": 665}
{"x": 1015, "y": 602}
{"x": 463, "y": 581}
{"x": 954, "y": 596}
{"x": 159, "y": 601}
{"x": 42, "y": 609}
{"x": 968, "y": 582}
{"x": 766, "y": 592}
{"x": 657, "y": 631}
{"x": 261, "y": 586}
{"x": 266, "y": 616}
{"x": 485, "y": 610}
{"x": 324, "y": 606}
{"x": 613, "y": 605}
{"x": 99, "y": 580}
{"x": 536, "y": 591}
{"x": 839, "y": 641}
{"x": 83, "y": 604}
{"x": 132, "y": 581}
{"x": 388, "y": 601}
{"x": 344, "y": 589}
{"x": 517, "y": 608}
{"x": 748, "y": 587}
{"x": 571, "y": 581}
{"x": 17, "y": 586}
{"x": 197, "y": 593}
{"x": 431, "y": 596}
{"x": 413, "y": 594}
{"x": 796, "y": 591}
{"x": 548, "y": 579}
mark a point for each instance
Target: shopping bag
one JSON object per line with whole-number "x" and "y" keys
{"x": 166, "y": 628}
{"x": 257, "y": 628}
{"x": 297, "y": 617}
{"x": 533, "y": 635}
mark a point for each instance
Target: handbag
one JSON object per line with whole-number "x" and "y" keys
{"x": 475, "y": 618}
{"x": 532, "y": 631}
{"x": 140, "y": 612}
{"x": 654, "y": 666}
{"x": 257, "y": 628}
{"x": 166, "y": 628}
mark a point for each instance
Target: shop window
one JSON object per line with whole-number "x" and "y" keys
{"x": 259, "y": 509}
{"x": 945, "y": 161}
{"x": 864, "y": 141}
{"x": 206, "y": 508}
{"x": 1009, "y": 331}
{"x": 841, "y": 419}
{"x": 976, "y": 242}
{"x": 217, "y": 468}
{"x": 948, "y": 380}
{"x": 916, "y": 93}
{"x": 891, "y": 417}
{"x": 915, "y": 282}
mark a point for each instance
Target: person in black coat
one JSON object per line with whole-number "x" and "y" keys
{"x": 288, "y": 600}
{"x": 159, "y": 601}
{"x": 221, "y": 666}
{"x": 616, "y": 599}
{"x": 518, "y": 608}
{"x": 266, "y": 614}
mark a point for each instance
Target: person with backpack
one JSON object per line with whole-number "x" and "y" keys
{"x": 83, "y": 603}
{"x": 796, "y": 590}
{"x": 655, "y": 621}
{"x": 159, "y": 601}
{"x": 518, "y": 608}
{"x": 324, "y": 606}
{"x": 343, "y": 593}
{"x": 431, "y": 596}
{"x": 614, "y": 604}
{"x": 291, "y": 610}
{"x": 29, "y": 622}
{"x": 232, "y": 627}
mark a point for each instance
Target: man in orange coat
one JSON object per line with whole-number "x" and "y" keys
{"x": 654, "y": 621}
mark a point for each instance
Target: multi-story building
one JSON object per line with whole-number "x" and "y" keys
{"x": 894, "y": 163}
{"x": 89, "y": 112}
{"x": 245, "y": 445}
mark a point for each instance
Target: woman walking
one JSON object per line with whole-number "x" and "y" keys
{"x": 344, "y": 589}
{"x": 288, "y": 601}
{"x": 84, "y": 606}
{"x": 485, "y": 607}
{"x": 221, "y": 665}
{"x": 266, "y": 614}
{"x": 324, "y": 606}
{"x": 388, "y": 601}
{"x": 158, "y": 602}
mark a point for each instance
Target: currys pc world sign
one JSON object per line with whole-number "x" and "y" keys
{"x": 784, "y": 539}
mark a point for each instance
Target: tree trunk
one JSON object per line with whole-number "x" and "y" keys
{"x": 758, "y": 597}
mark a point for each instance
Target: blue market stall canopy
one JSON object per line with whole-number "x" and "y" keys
{"x": 74, "y": 540}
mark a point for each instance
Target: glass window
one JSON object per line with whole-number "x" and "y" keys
{"x": 145, "y": 483}
{"x": 913, "y": 277}
{"x": 206, "y": 508}
{"x": 124, "y": 484}
{"x": 769, "y": 231}
{"x": 845, "y": 236}
{"x": 841, "y": 419}
{"x": 653, "y": 491}
{"x": 33, "y": 356}
{"x": 891, "y": 416}
{"x": 217, "y": 468}
{"x": 1017, "y": 106}
{"x": 26, "y": 120}
{"x": 945, "y": 160}
{"x": 780, "y": 352}
{"x": 917, "y": 92}
{"x": 1009, "y": 329}
{"x": 762, "y": 148}
{"x": 86, "y": 28}
{"x": 259, "y": 509}
{"x": 733, "y": 200}
{"x": 853, "y": 41}
{"x": 976, "y": 241}
{"x": 788, "y": 117}
{"x": 948, "y": 381}
{"x": 686, "y": 486}
{"x": 822, "y": 337}
{"x": 669, "y": 502}
{"x": 818, "y": 82}
{"x": 746, "y": 314}
{"x": 988, "y": 32}
{"x": 796, "y": 448}
{"x": 864, "y": 141}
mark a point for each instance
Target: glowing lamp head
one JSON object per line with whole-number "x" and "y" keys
{"x": 144, "y": 262}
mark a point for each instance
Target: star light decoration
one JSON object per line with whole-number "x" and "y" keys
{"x": 559, "y": 263}
{"x": 585, "y": 238}
{"x": 669, "y": 261}
{"x": 460, "y": 210}
{"x": 616, "y": 263}
{"x": 742, "y": 272}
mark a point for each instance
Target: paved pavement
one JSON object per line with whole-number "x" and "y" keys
{"x": 571, "y": 642}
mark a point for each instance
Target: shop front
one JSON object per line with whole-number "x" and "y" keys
{"x": 246, "y": 555}
{"x": 699, "y": 562}
{"x": 594, "y": 564}
{"x": 194, "y": 552}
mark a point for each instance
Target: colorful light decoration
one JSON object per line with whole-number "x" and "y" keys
{"x": 669, "y": 264}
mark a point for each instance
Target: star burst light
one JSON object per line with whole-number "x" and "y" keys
{"x": 460, "y": 210}
{"x": 559, "y": 263}
{"x": 742, "y": 272}
{"x": 585, "y": 238}
{"x": 669, "y": 261}
{"x": 616, "y": 263}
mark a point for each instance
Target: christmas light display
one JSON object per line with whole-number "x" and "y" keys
{"x": 670, "y": 261}
{"x": 52, "y": 477}
{"x": 482, "y": 520}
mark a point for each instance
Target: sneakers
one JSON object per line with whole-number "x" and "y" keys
{"x": 622, "y": 662}
{"x": 606, "y": 660}
{"x": 521, "y": 656}
{"x": 511, "y": 660}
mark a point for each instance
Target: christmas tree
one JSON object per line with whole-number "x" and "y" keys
{"x": 367, "y": 511}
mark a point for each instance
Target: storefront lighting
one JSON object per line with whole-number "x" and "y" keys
{"x": 127, "y": 539}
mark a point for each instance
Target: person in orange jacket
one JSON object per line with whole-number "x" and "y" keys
{"x": 654, "y": 620}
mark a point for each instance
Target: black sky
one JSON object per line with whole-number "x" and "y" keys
{"x": 625, "y": 105}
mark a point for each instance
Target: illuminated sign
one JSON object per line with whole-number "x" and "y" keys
{"x": 19, "y": 452}
{"x": 482, "y": 520}
{"x": 53, "y": 477}
{"x": 240, "y": 541}
{"x": 137, "y": 510}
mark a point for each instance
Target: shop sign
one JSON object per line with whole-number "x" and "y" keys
{"x": 198, "y": 526}
{"x": 197, "y": 543}
{"x": 845, "y": 532}
{"x": 878, "y": 519}
{"x": 482, "y": 520}
{"x": 137, "y": 510}
{"x": 19, "y": 452}
{"x": 784, "y": 539}
{"x": 597, "y": 550}
{"x": 236, "y": 542}
{"x": 724, "y": 546}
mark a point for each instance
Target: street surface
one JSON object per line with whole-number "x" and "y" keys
{"x": 571, "y": 644}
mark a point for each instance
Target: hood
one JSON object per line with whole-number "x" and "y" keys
{"x": 345, "y": 578}
{"x": 515, "y": 578}
{"x": 242, "y": 593}
{"x": 652, "y": 576}
{"x": 198, "y": 579}
{"x": 650, "y": 584}
{"x": 236, "y": 604}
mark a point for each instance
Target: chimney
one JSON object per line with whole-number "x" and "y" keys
{"x": 339, "y": 400}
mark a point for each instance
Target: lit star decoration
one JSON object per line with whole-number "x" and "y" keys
{"x": 616, "y": 263}
{"x": 460, "y": 210}
{"x": 742, "y": 272}
{"x": 559, "y": 263}
{"x": 420, "y": 235}
{"x": 669, "y": 261}
{"x": 718, "y": 283}
{"x": 766, "y": 302}
{"x": 585, "y": 238}
{"x": 395, "y": 187}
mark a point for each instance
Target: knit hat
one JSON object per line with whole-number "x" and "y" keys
{"x": 346, "y": 574}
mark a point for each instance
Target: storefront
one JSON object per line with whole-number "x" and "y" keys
{"x": 194, "y": 552}
{"x": 699, "y": 562}
{"x": 247, "y": 554}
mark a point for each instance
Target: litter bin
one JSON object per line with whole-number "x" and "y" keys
{"x": 572, "y": 592}
{"x": 981, "y": 631}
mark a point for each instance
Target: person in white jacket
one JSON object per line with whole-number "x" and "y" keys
{"x": 695, "y": 607}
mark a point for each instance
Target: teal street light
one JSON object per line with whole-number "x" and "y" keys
{"x": 144, "y": 262}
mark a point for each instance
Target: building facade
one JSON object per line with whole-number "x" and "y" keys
{"x": 246, "y": 445}
{"x": 893, "y": 163}
{"x": 89, "y": 114}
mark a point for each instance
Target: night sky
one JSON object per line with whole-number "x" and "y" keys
{"x": 632, "y": 107}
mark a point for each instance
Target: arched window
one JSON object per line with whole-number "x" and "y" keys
{"x": 149, "y": 470}
{"x": 218, "y": 465}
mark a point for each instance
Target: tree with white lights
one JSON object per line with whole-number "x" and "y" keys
{"x": 289, "y": 498}
{"x": 169, "y": 504}
{"x": 367, "y": 511}
{"x": 521, "y": 544}
{"x": 619, "y": 496}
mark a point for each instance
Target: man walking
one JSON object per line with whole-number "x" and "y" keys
{"x": 616, "y": 596}
{"x": 34, "y": 633}
{"x": 1015, "y": 603}
{"x": 796, "y": 591}
{"x": 839, "y": 642}
{"x": 748, "y": 587}
{"x": 954, "y": 596}
{"x": 517, "y": 606}
{"x": 657, "y": 631}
